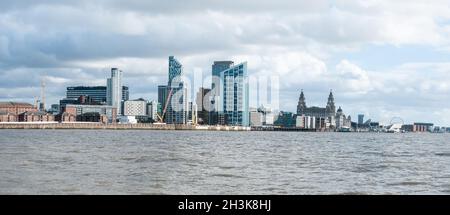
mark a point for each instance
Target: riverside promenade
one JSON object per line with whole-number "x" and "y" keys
{"x": 138, "y": 126}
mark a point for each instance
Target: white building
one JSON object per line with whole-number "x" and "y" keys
{"x": 300, "y": 122}
{"x": 114, "y": 89}
{"x": 152, "y": 110}
{"x": 256, "y": 118}
{"x": 136, "y": 107}
{"x": 127, "y": 120}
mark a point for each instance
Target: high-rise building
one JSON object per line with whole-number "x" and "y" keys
{"x": 177, "y": 106}
{"x": 234, "y": 99}
{"x": 217, "y": 68}
{"x": 162, "y": 97}
{"x": 175, "y": 71}
{"x": 360, "y": 119}
{"x": 97, "y": 93}
{"x": 203, "y": 105}
{"x": 152, "y": 110}
{"x": 114, "y": 89}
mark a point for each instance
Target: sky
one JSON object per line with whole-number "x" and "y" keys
{"x": 383, "y": 59}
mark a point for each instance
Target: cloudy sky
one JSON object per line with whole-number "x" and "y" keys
{"x": 381, "y": 58}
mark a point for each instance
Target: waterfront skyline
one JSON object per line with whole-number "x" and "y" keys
{"x": 393, "y": 62}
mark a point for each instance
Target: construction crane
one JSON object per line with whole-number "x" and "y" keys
{"x": 161, "y": 118}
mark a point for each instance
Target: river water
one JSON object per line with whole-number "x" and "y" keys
{"x": 214, "y": 162}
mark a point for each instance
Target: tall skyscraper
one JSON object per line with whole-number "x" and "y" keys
{"x": 177, "y": 106}
{"x": 114, "y": 89}
{"x": 234, "y": 99}
{"x": 175, "y": 71}
{"x": 360, "y": 119}
{"x": 217, "y": 68}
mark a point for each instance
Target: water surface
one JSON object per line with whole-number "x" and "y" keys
{"x": 213, "y": 162}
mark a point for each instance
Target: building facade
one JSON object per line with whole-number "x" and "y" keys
{"x": 203, "y": 105}
{"x": 422, "y": 127}
{"x": 109, "y": 111}
{"x": 136, "y": 107}
{"x": 216, "y": 85}
{"x": 97, "y": 93}
{"x": 114, "y": 90}
{"x": 16, "y": 107}
{"x": 152, "y": 110}
{"x": 328, "y": 113}
{"x": 234, "y": 101}
{"x": 177, "y": 94}
{"x": 256, "y": 118}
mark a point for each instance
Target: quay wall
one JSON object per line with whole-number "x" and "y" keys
{"x": 139, "y": 126}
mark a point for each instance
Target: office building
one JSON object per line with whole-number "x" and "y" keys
{"x": 162, "y": 97}
{"x": 136, "y": 107}
{"x": 203, "y": 105}
{"x": 97, "y": 93}
{"x": 361, "y": 119}
{"x": 177, "y": 94}
{"x": 216, "y": 69}
{"x": 114, "y": 90}
{"x": 234, "y": 101}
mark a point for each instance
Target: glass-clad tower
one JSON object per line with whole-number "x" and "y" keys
{"x": 234, "y": 100}
{"x": 177, "y": 91}
{"x": 217, "y": 68}
{"x": 114, "y": 89}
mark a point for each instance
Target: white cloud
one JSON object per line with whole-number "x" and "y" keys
{"x": 76, "y": 42}
{"x": 353, "y": 78}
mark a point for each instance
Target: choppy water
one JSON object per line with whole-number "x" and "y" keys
{"x": 201, "y": 162}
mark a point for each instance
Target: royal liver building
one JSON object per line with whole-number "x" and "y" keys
{"x": 319, "y": 117}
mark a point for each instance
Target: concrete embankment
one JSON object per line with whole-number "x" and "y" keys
{"x": 140, "y": 126}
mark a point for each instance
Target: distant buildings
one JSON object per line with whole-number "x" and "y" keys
{"x": 23, "y": 112}
{"x": 114, "y": 90}
{"x": 234, "y": 99}
{"x": 36, "y": 116}
{"x": 422, "y": 127}
{"x": 285, "y": 119}
{"x": 322, "y": 118}
{"x": 109, "y": 112}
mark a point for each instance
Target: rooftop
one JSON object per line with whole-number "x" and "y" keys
{"x": 12, "y": 104}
